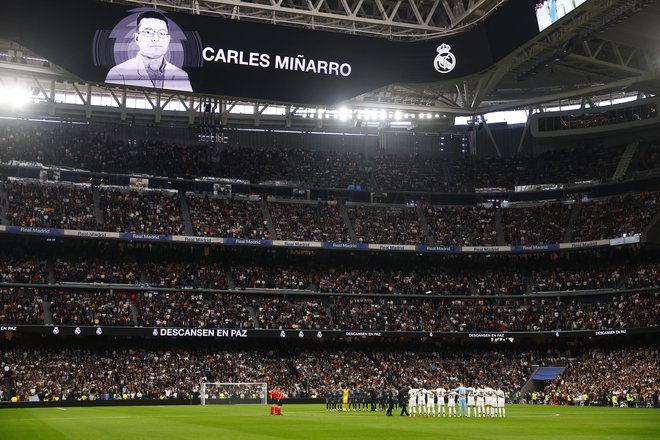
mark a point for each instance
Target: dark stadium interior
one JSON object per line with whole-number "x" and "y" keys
{"x": 148, "y": 248}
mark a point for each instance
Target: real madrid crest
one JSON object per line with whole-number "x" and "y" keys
{"x": 445, "y": 61}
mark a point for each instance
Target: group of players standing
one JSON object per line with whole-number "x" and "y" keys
{"x": 457, "y": 402}
{"x": 425, "y": 401}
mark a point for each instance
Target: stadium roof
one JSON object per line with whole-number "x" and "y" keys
{"x": 604, "y": 48}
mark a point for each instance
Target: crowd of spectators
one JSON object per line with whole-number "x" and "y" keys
{"x": 525, "y": 275}
{"x": 223, "y": 217}
{"x": 503, "y": 281}
{"x": 597, "y": 162}
{"x": 644, "y": 275}
{"x": 600, "y": 374}
{"x": 356, "y": 280}
{"x": 648, "y": 156}
{"x": 21, "y": 306}
{"x": 387, "y": 314}
{"x": 91, "y": 308}
{"x": 54, "y": 373}
{"x": 144, "y": 211}
{"x": 462, "y": 226}
{"x": 616, "y": 216}
{"x": 70, "y": 206}
{"x": 270, "y": 277}
{"x": 321, "y": 221}
{"x": 536, "y": 225}
{"x": 332, "y": 169}
{"x": 640, "y": 309}
{"x": 23, "y": 270}
{"x": 504, "y": 315}
{"x": 70, "y": 374}
{"x": 186, "y": 275}
{"x": 106, "y": 148}
{"x": 490, "y": 172}
{"x": 256, "y": 165}
{"x": 141, "y": 373}
{"x": 343, "y": 279}
{"x": 396, "y": 172}
{"x": 97, "y": 271}
{"x": 291, "y": 313}
{"x": 397, "y": 225}
{"x": 391, "y": 313}
{"x": 198, "y": 310}
{"x": 63, "y": 206}
{"x": 563, "y": 276}
{"x": 433, "y": 282}
{"x": 64, "y": 145}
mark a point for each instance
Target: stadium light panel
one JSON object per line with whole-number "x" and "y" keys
{"x": 14, "y": 96}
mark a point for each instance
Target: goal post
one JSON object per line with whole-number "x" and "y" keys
{"x": 233, "y": 393}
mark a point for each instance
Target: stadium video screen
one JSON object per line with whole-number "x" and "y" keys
{"x": 549, "y": 11}
{"x": 153, "y": 48}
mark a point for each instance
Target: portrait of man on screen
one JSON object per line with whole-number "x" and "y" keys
{"x": 150, "y": 67}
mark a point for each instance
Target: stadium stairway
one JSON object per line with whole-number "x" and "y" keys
{"x": 135, "y": 314}
{"x": 48, "y": 315}
{"x": 185, "y": 215}
{"x": 539, "y": 377}
{"x": 347, "y": 221}
{"x": 421, "y": 215}
{"x": 625, "y": 161}
{"x": 4, "y": 202}
{"x": 231, "y": 285}
{"x": 572, "y": 218}
{"x": 50, "y": 267}
{"x": 269, "y": 219}
{"x": 327, "y": 308}
{"x": 499, "y": 228}
{"x": 98, "y": 212}
{"x": 445, "y": 316}
{"x": 652, "y": 231}
{"x": 293, "y": 168}
{"x": 253, "y": 316}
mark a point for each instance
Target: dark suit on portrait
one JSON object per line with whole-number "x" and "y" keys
{"x": 133, "y": 72}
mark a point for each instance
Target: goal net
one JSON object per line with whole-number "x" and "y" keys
{"x": 233, "y": 393}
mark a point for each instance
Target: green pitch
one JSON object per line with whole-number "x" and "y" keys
{"x": 312, "y": 422}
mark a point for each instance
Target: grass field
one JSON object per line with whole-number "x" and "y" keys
{"x": 252, "y": 422}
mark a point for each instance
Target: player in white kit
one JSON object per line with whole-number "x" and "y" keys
{"x": 421, "y": 402}
{"x": 471, "y": 402}
{"x": 481, "y": 408}
{"x": 501, "y": 400}
{"x": 488, "y": 400}
{"x": 432, "y": 403}
{"x": 412, "y": 401}
{"x": 441, "y": 393}
{"x": 451, "y": 403}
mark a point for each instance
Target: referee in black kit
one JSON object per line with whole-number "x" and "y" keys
{"x": 391, "y": 400}
{"x": 403, "y": 401}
